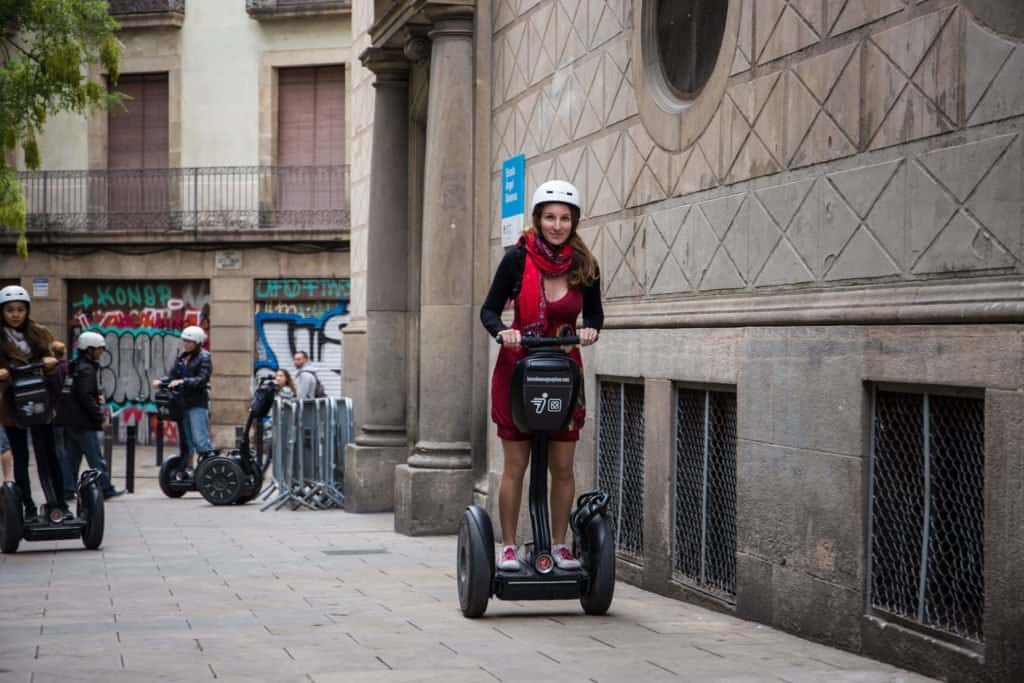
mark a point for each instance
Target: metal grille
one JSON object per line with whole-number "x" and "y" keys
{"x": 705, "y": 490}
{"x": 118, "y": 7}
{"x": 927, "y": 503}
{"x": 169, "y": 199}
{"x": 620, "y": 462}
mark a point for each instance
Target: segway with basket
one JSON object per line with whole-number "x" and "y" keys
{"x": 235, "y": 475}
{"x": 32, "y": 406}
{"x": 176, "y": 477}
{"x": 544, "y": 390}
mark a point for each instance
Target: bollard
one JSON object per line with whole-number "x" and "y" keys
{"x": 159, "y": 440}
{"x": 129, "y": 457}
{"x": 108, "y": 448}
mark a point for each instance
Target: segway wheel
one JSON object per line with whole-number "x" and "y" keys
{"x": 220, "y": 480}
{"x": 599, "y": 561}
{"x": 90, "y": 507}
{"x": 474, "y": 570}
{"x": 173, "y": 470}
{"x": 11, "y": 522}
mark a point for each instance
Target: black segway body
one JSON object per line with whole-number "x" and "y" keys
{"x": 31, "y": 395}
{"x": 235, "y": 475}
{"x": 88, "y": 524}
{"x": 544, "y": 390}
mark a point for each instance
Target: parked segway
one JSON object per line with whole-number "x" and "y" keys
{"x": 235, "y": 475}
{"x": 543, "y": 392}
{"x": 32, "y": 406}
{"x": 176, "y": 477}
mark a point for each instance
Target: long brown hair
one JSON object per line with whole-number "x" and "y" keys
{"x": 37, "y": 336}
{"x": 584, "y": 266}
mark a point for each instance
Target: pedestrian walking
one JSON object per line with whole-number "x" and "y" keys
{"x": 80, "y": 413}
{"x": 285, "y": 386}
{"x": 307, "y": 383}
{"x": 551, "y": 277}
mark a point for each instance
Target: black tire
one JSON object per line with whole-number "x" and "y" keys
{"x": 473, "y": 569}
{"x": 256, "y": 477}
{"x": 220, "y": 480}
{"x": 90, "y": 508}
{"x": 599, "y": 561}
{"x": 12, "y": 525}
{"x": 172, "y": 469}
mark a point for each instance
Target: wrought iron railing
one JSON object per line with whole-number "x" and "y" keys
{"x": 169, "y": 199}
{"x": 119, "y": 7}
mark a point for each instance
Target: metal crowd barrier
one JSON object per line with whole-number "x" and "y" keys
{"x": 308, "y": 440}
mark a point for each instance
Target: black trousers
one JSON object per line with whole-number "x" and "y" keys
{"x": 45, "y": 446}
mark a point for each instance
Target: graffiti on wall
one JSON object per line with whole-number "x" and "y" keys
{"x": 141, "y": 322}
{"x": 302, "y": 314}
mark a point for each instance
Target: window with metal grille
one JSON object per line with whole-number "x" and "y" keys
{"x": 705, "y": 491}
{"x": 620, "y": 462}
{"x": 926, "y": 550}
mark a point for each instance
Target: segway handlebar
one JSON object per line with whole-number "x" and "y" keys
{"x": 542, "y": 342}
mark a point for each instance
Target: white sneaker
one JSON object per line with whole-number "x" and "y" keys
{"x": 507, "y": 560}
{"x": 564, "y": 558}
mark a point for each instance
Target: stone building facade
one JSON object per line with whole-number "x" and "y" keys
{"x": 218, "y": 196}
{"x": 808, "y": 215}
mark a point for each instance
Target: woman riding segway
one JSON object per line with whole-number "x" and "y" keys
{"x": 538, "y": 405}
{"x": 551, "y": 276}
{"x": 24, "y": 342}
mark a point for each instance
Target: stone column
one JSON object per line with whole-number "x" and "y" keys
{"x": 435, "y": 485}
{"x": 382, "y": 442}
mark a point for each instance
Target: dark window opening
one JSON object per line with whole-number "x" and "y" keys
{"x": 689, "y": 38}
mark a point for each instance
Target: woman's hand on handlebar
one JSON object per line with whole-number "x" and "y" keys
{"x": 510, "y": 337}
{"x": 587, "y": 335}
{"x": 49, "y": 363}
{"x": 5, "y": 374}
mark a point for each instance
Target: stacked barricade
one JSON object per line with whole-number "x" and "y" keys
{"x": 308, "y": 440}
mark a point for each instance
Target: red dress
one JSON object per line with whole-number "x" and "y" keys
{"x": 561, "y": 321}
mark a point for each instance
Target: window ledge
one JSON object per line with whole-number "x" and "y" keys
{"x": 270, "y": 10}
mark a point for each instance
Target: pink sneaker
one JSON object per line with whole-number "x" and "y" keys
{"x": 564, "y": 558}
{"x": 507, "y": 559}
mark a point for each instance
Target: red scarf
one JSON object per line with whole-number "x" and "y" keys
{"x": 541, "y": 259}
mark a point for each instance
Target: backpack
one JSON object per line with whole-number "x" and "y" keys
{"x": 318, "y": 391}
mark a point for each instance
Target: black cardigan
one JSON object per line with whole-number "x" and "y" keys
{"x": 505, "y": 286}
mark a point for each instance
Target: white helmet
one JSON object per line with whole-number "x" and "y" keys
{"x": 91, "y": 340}
{"x": 193, "y": 333}
{"x": 14, "y": 293}
{"x": 560, "y": 191}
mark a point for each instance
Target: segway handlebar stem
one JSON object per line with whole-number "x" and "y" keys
{"x": 542, "y": 342}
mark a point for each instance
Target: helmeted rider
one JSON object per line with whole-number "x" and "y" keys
{"x": 81, "y": 414}
{"x": 191, "y": 372}
{"x": 24, "y": 341}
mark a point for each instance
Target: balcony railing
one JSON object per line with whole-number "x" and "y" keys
{"x": 283, "y": 9}
{"x": 167, "y": 200}
{"x": 148, "y": 13}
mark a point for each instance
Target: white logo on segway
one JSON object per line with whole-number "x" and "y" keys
{"x": 542, "y": 403}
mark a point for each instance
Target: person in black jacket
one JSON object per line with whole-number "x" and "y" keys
{"x": 192, "y": 372}
{"x": 80, "y": 411}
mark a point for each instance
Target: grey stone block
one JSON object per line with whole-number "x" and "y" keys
{"x": 370, "y": 477}
{"x": 430, "y": 501}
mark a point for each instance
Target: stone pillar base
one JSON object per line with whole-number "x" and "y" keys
{"x": 431, "y": 501}
{"x": 370, "y": 477}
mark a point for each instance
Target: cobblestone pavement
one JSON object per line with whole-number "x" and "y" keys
{"x": 183, "y": 591}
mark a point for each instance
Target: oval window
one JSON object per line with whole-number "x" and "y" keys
{"x": 689, "y": 38}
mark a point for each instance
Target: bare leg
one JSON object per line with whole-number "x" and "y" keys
{"x": 7, "y": 461}
{"x": 563, "y": 486}
{"x": 510, "y": 493}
